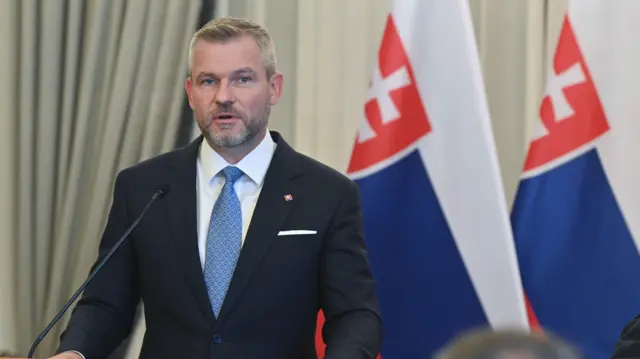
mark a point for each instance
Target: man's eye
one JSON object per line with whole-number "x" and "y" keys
{"x": 207, "y": 82}
{"x": 244, "y": 79}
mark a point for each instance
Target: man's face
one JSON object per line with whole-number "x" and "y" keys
{"x": 230, "y": 93}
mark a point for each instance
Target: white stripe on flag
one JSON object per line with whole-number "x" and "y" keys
{"x": 460, "y": 154}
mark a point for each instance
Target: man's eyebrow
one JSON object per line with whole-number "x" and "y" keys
{"x": 244, "y": 70}
{"x": 205, "y": 74}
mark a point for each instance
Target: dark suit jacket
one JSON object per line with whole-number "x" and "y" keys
{"x": 279, "y": 284}
{"x": 628, "y": 345}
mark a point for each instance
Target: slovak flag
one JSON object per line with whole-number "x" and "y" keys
{"x": 576, "y": 216}
{"x": 436, "y": 220}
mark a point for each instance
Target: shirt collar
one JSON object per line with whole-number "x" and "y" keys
{"x": 254, "y": 164}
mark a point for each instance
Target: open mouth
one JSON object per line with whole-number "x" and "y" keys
{"x": 224, "y": 117}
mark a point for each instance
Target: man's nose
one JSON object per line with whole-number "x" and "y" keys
{"x": 224, "y": 95}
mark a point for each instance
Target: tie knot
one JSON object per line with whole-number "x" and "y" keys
{"x": 232, "y": 174}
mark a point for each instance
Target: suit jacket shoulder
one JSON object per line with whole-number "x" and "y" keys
{"x": 183, "y": 156}
{"x": 137, "y": 183}
{"x": 322, "y": 172}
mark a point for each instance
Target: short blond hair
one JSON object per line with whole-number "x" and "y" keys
{"x": 223, "y": 29}
{"x": 486, "y": 343}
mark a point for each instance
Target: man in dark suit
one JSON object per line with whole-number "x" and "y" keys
{"x": 251, "y": 240}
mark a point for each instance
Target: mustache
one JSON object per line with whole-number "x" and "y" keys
{"x": 225, "y": 110}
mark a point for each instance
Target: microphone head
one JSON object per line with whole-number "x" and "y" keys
{"x": 163, "y": 190}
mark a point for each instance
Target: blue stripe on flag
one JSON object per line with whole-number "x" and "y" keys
{"x": 425, "y": 293}
{"x": 579, "y": 264}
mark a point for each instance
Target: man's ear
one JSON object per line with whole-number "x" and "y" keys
{"x": 275, "y": 87}
{"x": 188, "y": 86}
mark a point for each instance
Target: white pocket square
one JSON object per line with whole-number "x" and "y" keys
{"x": 296, "y": 232}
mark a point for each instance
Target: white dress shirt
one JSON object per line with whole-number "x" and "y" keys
{"x": 210, "y": 181}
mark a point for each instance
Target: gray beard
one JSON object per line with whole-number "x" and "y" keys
{"x": 251, "y": 130}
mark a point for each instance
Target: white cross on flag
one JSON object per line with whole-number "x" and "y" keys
{"x": 561, "y": 108}
{"x": 380, "y": 91}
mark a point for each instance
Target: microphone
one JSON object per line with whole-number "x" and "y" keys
{"x": 158, "y": 193}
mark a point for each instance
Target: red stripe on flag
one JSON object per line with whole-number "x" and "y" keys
{"x": 533, "y": 320}
{"x": 320, "y": 346}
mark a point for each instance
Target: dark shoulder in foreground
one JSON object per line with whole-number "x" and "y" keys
{"x": 628, "y": 345}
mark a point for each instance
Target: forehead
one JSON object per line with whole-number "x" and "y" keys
{"x": 227, "y": 56}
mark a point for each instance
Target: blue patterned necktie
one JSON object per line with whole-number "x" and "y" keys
{"x": 224, "y": 240}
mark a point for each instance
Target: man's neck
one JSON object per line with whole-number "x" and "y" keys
{"x": 234, "y": 155}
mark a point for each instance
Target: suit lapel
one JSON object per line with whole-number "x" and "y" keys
{"x": 182, "y": 218}
{"x": 270, "y": 213}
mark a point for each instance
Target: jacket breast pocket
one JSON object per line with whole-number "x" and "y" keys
{"x": 293, "y": 247}
{"x": 296, "y": 232}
